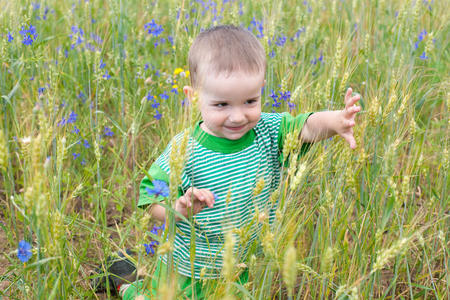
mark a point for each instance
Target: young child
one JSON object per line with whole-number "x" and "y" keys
{"x": 229, "y": 151}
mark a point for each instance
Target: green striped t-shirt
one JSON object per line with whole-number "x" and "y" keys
{"x": 225, "y": 167}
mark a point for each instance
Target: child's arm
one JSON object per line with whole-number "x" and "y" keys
{"x": 324, "y": 124}
{"x": 198, "y": 198}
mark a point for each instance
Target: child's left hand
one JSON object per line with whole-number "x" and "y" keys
{"x": 347, "y": 118}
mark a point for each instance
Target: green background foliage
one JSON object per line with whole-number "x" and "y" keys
{"x": 365, "y": 223}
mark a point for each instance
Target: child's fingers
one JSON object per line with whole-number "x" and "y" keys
{"x": 350, "y": 140}
{"x": 198, "y": 194}
{"x": 349, "y": 123}
{"x": 351, "y": 101}
{"x": 348, "y": 94}
{"x": 184, "y": 201}
{"x": 209, "y": 198}
{"x": 354, "y": 109}
{"x": 206, "y": 197}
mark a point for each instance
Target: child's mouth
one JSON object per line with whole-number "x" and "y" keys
{"x": 235, "y": 128}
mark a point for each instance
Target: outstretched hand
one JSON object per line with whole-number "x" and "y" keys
{"x": 193, "y": 201}
{"x": 347, "y": 118}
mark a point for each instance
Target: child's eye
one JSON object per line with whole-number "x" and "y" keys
{"x": 221, "y": 104}
{"x": 251, "y": 101}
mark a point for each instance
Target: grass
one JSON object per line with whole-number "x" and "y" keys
{"x": 368, "y": 223}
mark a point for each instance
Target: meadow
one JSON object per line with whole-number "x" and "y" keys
{"x": 91, "y": 93}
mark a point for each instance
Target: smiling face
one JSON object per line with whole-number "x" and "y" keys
{"x": 230, "y": 105}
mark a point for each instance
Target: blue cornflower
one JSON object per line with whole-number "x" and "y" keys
{"x": 90, "y": 47}
{"x": 77, "y": 34}
{"x": 102, "y": 65}
{"x": 41, "y": 90}
{"x": 164, "y": 96}
{"x": 76, "y": 30}
{"x": 96, "y": 38}
{"x": 422, "y": 34}
{"x": 155, "y": 228}
{"x": 149, "y": 96}
{"x": 160, "y": 188}
{"x": 108, "y": 131}
{"x": 297, "y": 33}
{"x": 241, "y": 11}
{"x": 170, "y": 39}
{"x": 272, "y": 54}
{"x": 158, "y": 115}
{"x": 83, "y": 162}
{"x": 285, "y": 96}
{"x": 86, "y": 144}
{"x": 29, "y": 35}
{"x": 276, "y": 103}
{"x": 258, "y": 25}
{"x": 423, "y": 56}
{"x": 273, "y": 95}
{"x": 10, "y": 37}
{"x": 281, "y": 40}
{"x": 62, "y": 122}
{"x": 75, "y": 130}
{"x": 46, "y": 10}
{"x": 155, "y": 104}
{"x": 106, "y": 75}
{"x": 153, "y": 28}
{"x": 215, "y": 196}
{"x": 24, "y": 251}
{"x": 72, "y": 118}
{"x": 75, "y": 155}
{"x": 150, "y": 248}
{"x": 291, "y": 106}
{"x": 146, "y": 66}
{"x": 82, "y": 96}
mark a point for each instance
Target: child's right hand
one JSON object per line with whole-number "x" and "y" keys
{"x": 195, "y": 198}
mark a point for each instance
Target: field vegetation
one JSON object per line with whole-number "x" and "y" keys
{"x": 91, "y": 93}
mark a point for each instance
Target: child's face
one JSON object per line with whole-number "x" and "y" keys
{"x": 231, "y": 105}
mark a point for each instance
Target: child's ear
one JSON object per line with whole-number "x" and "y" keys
{"x": 189, "y": 92}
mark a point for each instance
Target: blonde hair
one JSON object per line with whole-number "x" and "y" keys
{"x": 225, "y": 49}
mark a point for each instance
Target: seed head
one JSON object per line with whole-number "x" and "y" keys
{"x": 3, "y": 151}
{"x": 275, "y": 196}
{"x": 267, "y": 243}
{"x": 165, "y": 248}
{"x": 344, "y": 80}
{"x": 374, "y": 110}
{"x": 290, "y": 269}
{"x": 327, "y": 261}
{"x": 290, "y": 143}
{"x": 298, "y": 177}
{"x": 337, "y": 58}
{"x": 429, "y": 45}
{"x": 228, "y": 257}
{"x": 384, "y": 255}
{"x": 62, "y": 151}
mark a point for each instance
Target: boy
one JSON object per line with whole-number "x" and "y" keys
{"x": 233, "y": 147}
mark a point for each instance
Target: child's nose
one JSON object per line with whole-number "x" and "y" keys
{"x": 237, "y": 116}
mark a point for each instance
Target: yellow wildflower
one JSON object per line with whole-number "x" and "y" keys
{"x": 177, "y": 71}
